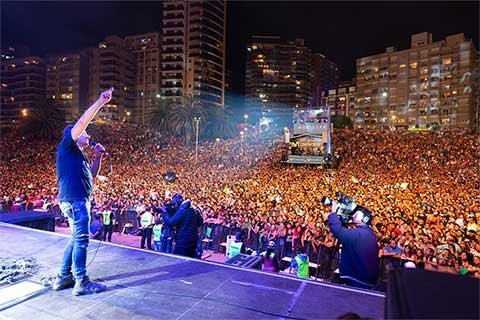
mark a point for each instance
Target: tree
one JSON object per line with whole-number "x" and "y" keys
{"x": 341, "y": 122}
{"x": 46, "y": 119}
{"x": 220, "y": 123}
{"x": 182, "y": 118}
{"x": 435, "y": 126}
{"x": 158, "y": 117}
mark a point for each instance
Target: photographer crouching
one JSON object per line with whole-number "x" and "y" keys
{"x": 350, "y": 224}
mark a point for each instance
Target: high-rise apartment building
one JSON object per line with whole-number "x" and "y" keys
{"x": 67, "y": 82}
{"x": 278, "y": 76}
{"x": 193, "y": 51}
{"x": 341, "y": 100}
{"x": 326, "y": 77}
{"x": 112, "y": 64}
{"x": 22, "y": 86}
{"x": 146, "y": 48}
{"x": 428, "y": 84}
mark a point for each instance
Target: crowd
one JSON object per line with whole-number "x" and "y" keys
{"x": 422, "y": 188}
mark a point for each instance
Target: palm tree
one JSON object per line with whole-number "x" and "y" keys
{"x": 341, "y": 121}
{"x": 46, "y": 119}
{"x": 183, "y": 117}
{"x": 220, "y": 123}
{"x": 158, "y": 117}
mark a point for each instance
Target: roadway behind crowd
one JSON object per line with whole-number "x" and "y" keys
{"x": 422, "y": 187}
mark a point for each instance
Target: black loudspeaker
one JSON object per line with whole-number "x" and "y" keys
{"x": 420, "y": 294}
{"x": 246, "y": 261}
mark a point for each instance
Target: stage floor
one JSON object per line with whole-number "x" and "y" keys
{"x": 148, "y": 285}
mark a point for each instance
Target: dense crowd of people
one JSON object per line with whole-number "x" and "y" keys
{"x": 422, "y": 187}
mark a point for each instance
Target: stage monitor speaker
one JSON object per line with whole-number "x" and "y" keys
{"x": 420, "y": 294}
{"x": 30, "y": 219}
{"x": 246, "y": 261}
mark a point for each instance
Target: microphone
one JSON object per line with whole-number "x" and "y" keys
{"x": 93, "y": 143}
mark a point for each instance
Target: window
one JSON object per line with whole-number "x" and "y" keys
{"x": 413, "y": 65}
{"x": 403, "y": 65}
{"x": 447, "y": 61}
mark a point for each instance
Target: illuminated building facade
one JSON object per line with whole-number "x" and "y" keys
{"x": 193, "y": 51}
{"x": 427, "y": 85}
{"x": 278, "y": 76}
{"x": 67, "y": 82}
{"x": 22, "y": 86}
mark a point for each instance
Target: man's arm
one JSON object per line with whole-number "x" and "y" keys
{"x": 199, "y": 217}
{"x": 172, "y": 221}
{"x": 90, "y": 113}
{"x": 93, "y": 235}
{"x": 339, "y": 231}
{"x": 97, "y": 161}
{"x": 293, "y": 264}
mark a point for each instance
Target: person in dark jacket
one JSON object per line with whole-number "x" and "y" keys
{"x": 359, "y": 262}
{"x": 168, "y": 232}
{"x": 186, "y": 221}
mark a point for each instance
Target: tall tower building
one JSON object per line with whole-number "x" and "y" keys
{"x": 67, "y": 82}
{"x": 22, "y": 86}
{"x": 426, "y": 85}
{"x": 146, "y": 48}
{"x": 278, "y": 76}
{"x": 326, "y": 77}
{"x": 113, "y": 65}
{"x": 193, "y": 51}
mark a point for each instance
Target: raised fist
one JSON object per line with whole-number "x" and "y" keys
{"x": 98, "y": 150}
{"x": 106, "y": 96}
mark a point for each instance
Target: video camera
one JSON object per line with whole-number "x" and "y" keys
{"x": 346, "y": 206}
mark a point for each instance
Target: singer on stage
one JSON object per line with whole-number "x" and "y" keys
{"x": 75, "y": 185}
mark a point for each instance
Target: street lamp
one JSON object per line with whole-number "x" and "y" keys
{"x": 24, "y": 112}
{"x": 246, "y": 118}
{"x": 241, "y": 139}
{"x": 128, "y": 116}
{"x": 197, "y": 121}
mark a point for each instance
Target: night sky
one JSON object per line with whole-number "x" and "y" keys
{"x": 342, "y": 31}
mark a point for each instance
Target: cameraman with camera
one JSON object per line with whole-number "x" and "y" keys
{"x": 349, "y": 223}
{"x": 186, "y": 221}
{"x": 167, "y": 236}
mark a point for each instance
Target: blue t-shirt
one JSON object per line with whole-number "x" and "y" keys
{"x": 395, "y": 250}
{"x": 95, "y": 226}
{"x": 75, "y": 180}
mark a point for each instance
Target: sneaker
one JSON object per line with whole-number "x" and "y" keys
{"x": 87, "y": 287}
{"x": 63, "y": 282}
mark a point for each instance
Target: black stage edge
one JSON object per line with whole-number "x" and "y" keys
{"x": 147, "y": 285}
{"x": 418, "y": 294}
{"x": 30, "y": 219}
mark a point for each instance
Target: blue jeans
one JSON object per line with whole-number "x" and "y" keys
{"x": 78, "y": 214}
{"x": 156, "y": 245}
{"x": 166, "y": 244}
